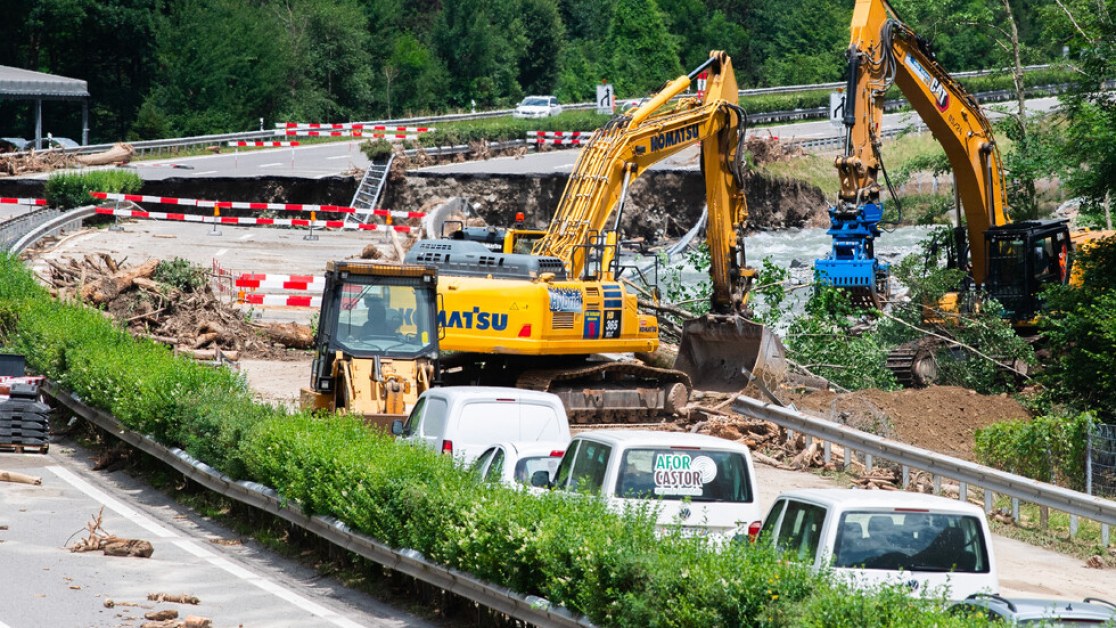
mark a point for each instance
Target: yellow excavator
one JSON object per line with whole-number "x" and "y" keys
{"x": 1010, "y": 262}
{"x": 542, "y": 320}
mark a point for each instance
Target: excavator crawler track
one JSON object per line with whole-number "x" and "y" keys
{"x": 615, "y": 392}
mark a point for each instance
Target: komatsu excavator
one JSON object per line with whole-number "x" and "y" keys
{"x": 1010, "y": 262}
{"x": 536, "y": 320}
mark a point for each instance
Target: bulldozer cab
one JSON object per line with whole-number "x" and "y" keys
{"x": 377, "y": 331}
{"x": 1024, "y": 258}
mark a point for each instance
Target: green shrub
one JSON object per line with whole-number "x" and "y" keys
{"x": 377, "y": 150}
{"x": 1046, "y": 448}
{"x": 181, "y": 274}
{"x": 71, "y": 189}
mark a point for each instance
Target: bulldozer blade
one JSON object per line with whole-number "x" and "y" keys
{"x": 723, "y": 352}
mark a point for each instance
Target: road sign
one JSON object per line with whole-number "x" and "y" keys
{"x": 606, "y": 99}
{"x": 836, "y": 108}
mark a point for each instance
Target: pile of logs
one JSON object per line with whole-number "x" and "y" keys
{"x": 47, "y": 160}
{"x": 194, "y": 322}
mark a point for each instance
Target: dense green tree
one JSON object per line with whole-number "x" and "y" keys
{"x": 799, "y": 43}
{"x": 480, "y": 42}
{"x": 544, "y": 32}
{"x": 643, "y": 54}
{"x": 222, "y": 67}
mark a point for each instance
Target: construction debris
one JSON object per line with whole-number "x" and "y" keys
{"x": 111, "y": 545}
{"x": 194, "y": 322}
{"x": 12, "y": 476}
{"x": 54, "y": 159}
{"x": 765, "y": 150}
{"x": 177, "y": 598}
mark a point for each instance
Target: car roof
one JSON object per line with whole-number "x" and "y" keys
{"x": 1026, "y": 608}
{"x": 533, "y": 448}
{"x": 653, "y": 438}
{"x": 491, "y": 392}
{"x": 848, "y": 498}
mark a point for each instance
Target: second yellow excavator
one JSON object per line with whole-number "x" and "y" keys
{"x": 543, "y": 320}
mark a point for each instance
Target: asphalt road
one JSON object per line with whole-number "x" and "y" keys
{"x": 238, "y": 582}
{"x": 563, "y": 160}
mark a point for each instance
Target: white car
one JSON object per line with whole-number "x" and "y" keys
{"x": 699, "y": 484}
{"x": 463, "y": 421}
{"x": 930, "y": 544}
{"x": 537, "y": 107}
{"x": 514, "y": 464}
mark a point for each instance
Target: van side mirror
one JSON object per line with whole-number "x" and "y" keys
{"x": 397, "y": 427}
{"x": 540, "y": 479}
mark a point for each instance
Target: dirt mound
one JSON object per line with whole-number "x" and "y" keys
{"x": 938, "y": 418}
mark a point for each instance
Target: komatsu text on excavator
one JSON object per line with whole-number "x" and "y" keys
{"x": 1010, "y": 262}
{"x": 536, "y": 320}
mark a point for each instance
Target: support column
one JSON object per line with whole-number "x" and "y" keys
{"x": 85, "y": 122}
{"x": 38, "y": 124}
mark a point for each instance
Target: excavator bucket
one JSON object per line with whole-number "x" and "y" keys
{"x": 724, "y": 352}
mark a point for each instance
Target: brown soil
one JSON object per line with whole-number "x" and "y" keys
{"x": 939, "y": 418}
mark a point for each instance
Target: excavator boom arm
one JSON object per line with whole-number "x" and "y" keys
{"x": 883, "y": 51}
{"x": 631, "y": 143}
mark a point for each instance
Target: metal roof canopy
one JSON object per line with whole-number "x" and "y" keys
{"x": 20, "y": 84}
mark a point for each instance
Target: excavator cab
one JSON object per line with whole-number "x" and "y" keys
{"x": 1024, "y": 258}
{"x": 377, "y": 340}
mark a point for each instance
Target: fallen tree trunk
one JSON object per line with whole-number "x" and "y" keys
{"x": 120, "y": 153}
{"x": 105, "y": 290}
{"x": 290, "y": 335}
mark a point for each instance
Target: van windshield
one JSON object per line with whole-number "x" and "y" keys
{"x": 920, "y": 541}
{"x": 673, "y": 474}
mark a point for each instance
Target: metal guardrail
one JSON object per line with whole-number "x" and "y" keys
{"x": 165, "y": 145}
{"x": 993, "y": 481}
{"x": 532, "y": 609}
{"x": 47, "y": 221}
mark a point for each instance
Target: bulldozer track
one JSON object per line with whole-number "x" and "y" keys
{"x": 646, "y": 379}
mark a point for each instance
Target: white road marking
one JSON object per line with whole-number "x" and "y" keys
{"x": 220, "y": 253}
{"x": 205, "y": 172}
{"x": 3, "y": 625}
{"x": 245, "y": 236}
{"x": 194, "y": 549}
{"x": 112, "y": 503}
{"x": 337, "y": 157}
{"x": 278, "y": 163}
{"x": 264, "y": 584}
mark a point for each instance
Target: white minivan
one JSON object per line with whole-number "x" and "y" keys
{"x": 929, "y": 544}
{"x": 463, "y": 421}
{"x": 700, "y": 484}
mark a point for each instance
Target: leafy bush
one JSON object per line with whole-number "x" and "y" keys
{"x": 71, "y": 189}
{"x": 377, "y": 150}
{"x": 822, "y": 340}
{"x": 1080, "y": 331}
{"x": 572, "y": 550}
{"x": 181, "y": 274}
{"x": 1046, "y": 448}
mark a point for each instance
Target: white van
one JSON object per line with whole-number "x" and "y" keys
{"x": 466, "y": 420}
{"x": 701, "y": 484}
{"x": 930, "y": 544}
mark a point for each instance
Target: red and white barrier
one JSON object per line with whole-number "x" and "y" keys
{"x": 23, "y": 201}
{"x": 233, "y": 220}
{"x": 348, "y": 133}
{"x": 280, "y": 300}
{"x": 358, "y": 126}
{"x": 280, "y": 282}
{"x": 260, "y": 144}
{"x": 292, "y": 207}
{"x": 582, "y": 135}
{"x": 561, "y": 141}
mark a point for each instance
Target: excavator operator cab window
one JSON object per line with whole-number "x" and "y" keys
{"x": 385, "y": 319}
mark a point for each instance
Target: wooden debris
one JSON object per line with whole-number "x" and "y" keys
{"x": 177, "y": 598}
{"x": 1095, "y": 562}
{"x": 187, "y": 320}
{"x": 20, "y": 478}
{"x": 99, "y": 540}
{"x": 163, "y": 615}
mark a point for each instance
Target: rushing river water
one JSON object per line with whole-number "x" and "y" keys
{"x": 796, "y": 250}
